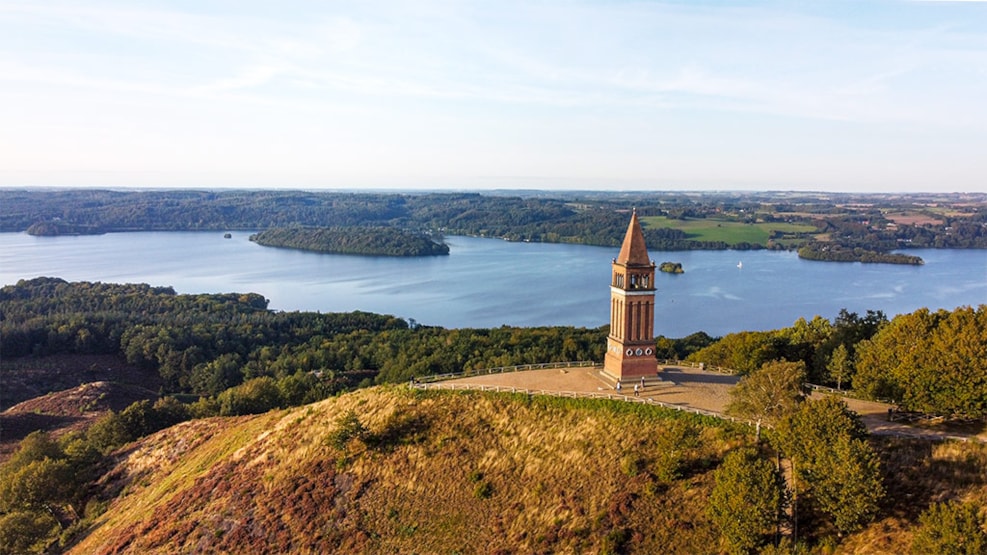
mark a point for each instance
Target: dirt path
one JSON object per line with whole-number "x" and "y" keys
{"x": 678, "y": 386}
{"x": 686, "y": 387}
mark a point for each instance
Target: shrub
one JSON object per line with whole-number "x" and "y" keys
{"x": 26, "y": 532}
{"x": 631, "y": 464}
{"x": 348, "y": 427}
{"x": 483, "y": 490}
{"x": 251, "y": 397}
{"x": 674, "y": 443}
{"x": 615, "y": 541}
{"x": 950, "y": 528}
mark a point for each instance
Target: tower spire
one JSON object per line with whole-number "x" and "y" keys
{"x": 634, "y": 252}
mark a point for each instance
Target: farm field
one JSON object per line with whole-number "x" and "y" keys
{"x": 729, "y": 232}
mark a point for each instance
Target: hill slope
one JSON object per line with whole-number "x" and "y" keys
{"x": 64, "y": 411}
{"x": 420, "y": 472}
{"x": 394, "y": 470}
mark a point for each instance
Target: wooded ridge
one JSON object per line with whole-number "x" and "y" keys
{"x": 672, "y": 221}
{"x": 379, "y": 241}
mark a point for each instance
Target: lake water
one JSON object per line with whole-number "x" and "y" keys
{"x": 489, "y": 282}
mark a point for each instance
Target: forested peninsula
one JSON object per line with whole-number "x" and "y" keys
{"x": 376, "y": 241}
{"x": 868, "y": 226}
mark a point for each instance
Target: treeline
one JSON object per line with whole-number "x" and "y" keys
{"x": 873, "y": 230}
{"x": 54, "y": 228}
{"x": 514, "y": 218}
{"x": 836, "y": 253}
{"x": 583, "y": 218}
{"x": 932, "y": 362}
{"x": 198, "y": 343}
{"x": 206, "y": 344}
{"x": 380, "y": 241}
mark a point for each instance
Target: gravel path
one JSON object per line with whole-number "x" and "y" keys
{"x": 688, "y": 387}
{"x": 679, "y": 385}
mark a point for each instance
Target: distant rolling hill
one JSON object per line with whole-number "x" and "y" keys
{"x": 69, "y": 410}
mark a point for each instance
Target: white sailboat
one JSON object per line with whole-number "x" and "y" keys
{"x": 740, "y": 264}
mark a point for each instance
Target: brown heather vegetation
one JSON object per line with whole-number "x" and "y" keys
{"x": 65, "y": 411}
{"x": 444, "y": 472}
{"x": 65, "y": 392}
{"x": 32, "y": 377}
{"x": 433, "y": 472}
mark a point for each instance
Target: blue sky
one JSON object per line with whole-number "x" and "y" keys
{"x": 426, "y": 94}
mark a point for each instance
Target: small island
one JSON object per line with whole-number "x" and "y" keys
{"x": 671, "y": 267}
{"x": 372, "y": 241}
{"x": 835, "y": 253}
{"x": 55, "y": 228}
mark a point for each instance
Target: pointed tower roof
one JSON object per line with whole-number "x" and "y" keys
{"x": 633, "y": 252}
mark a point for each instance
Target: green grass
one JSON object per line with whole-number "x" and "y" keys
{"x": 729, "y": 232}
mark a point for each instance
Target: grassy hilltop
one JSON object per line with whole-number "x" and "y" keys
{"x": 420, "y": 472}
{"x": 391, "y": 470}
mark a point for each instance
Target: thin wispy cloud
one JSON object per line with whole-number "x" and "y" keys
{"x": 490, "y": 74}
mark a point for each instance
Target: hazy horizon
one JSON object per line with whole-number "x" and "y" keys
{"x": 500, "y": 191}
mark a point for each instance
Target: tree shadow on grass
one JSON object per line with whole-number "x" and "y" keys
{"x": 16, "y": 426}
{"x": 920, "y": 472}
{"x": 400, "y": 429}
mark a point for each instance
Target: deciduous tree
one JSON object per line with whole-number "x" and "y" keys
{"x": 833, "y": 467}
{"x": 26, "y": 532}
{"x": 950, "y": 528}
{"x": 746, "y": 501}
{"x": 934, "y": 362}
{"x": 840, "y": 366}
{"x": 769, "y": 393}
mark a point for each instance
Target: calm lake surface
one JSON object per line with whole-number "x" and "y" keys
{"x": 489, "y": 282}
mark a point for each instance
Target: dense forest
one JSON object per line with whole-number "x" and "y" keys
{"x": 206, "y": 344}
{"x": 379, "y": 241}
{"x": 872, "y": 223}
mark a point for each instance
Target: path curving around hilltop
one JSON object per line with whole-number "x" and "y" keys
{"x": 680, "y": 387}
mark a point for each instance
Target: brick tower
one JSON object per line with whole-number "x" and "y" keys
{"x": 631, "y": 343}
